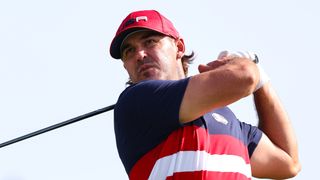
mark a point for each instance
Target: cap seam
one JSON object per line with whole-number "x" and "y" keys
{"x": 162, "y": 28}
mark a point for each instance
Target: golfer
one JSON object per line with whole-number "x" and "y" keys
{"x": 171, "y": 126}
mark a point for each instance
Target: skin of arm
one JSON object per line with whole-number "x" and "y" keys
{"x": 219, "y": 83}
{"x": 225, "y": 81}
{"x": 276, "y": 155}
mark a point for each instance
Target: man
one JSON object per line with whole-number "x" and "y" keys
{"x": 170, "y": 126}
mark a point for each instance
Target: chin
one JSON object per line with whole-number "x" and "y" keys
{"x": 150, "y": 78}
{"x": 151, "y": 75}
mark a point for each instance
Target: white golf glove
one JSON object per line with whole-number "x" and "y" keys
{"x": 264, "y": 78}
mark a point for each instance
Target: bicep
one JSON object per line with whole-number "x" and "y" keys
{"x": 269, "y": 161}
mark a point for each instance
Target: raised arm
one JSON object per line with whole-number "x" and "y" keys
{"x": 276, "y": 155}
{"x": 219, "y": 83}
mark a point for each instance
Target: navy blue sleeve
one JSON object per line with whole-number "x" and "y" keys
{"x": 145, "y": 114}
{"x": 248, "y": 134}
{"x": 253, "y": 135}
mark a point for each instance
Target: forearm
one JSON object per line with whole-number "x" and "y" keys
{"x": 229, "y": 82}
{"x": 219, "y": 83}
{"x": 275, "y": 122}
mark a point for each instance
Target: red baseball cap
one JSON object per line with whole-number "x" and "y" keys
{"x": 145, "y": 19}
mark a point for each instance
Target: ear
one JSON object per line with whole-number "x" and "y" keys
{"x": 180, "y": 47}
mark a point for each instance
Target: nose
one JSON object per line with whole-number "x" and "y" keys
{"x": 140, "y": 54}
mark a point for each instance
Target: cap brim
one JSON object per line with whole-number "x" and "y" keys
{"x": 117, "y": 41}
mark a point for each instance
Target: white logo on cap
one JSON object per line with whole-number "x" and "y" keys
{"x": 145, "y": 18}
{"x": 220, "y": 118}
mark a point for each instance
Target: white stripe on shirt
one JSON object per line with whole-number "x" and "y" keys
{"x": 190, "y": 161}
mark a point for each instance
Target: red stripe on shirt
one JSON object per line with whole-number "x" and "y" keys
{"x": 207, "y": 175}
{"x": 189, "y": 138}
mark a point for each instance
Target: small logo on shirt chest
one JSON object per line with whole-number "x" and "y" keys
{"x": 220, "y": 118}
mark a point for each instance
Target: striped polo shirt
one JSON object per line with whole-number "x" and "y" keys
{"x": 152, "y": 144}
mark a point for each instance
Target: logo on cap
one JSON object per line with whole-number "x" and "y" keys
{"x": 133, "y": 20}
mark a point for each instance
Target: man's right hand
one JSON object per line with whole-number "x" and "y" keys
{"x": 224, "y": 57}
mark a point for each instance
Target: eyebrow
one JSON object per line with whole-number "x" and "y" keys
{"x": 145, "y": 36}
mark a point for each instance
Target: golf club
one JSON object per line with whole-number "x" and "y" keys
{"x": 58, "y": 125}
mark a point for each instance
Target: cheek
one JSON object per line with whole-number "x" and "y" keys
{"x": 125, "y": 66}
{"x": 128, "y": 67}
{"x": 168, "y": 53}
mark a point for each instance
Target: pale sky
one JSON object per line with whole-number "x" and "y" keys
{"x": 55, "y": 65}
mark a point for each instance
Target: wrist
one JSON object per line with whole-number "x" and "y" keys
{"x": 263, "y": 78}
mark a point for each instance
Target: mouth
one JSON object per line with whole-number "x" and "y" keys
{"x": 145, "y": 67}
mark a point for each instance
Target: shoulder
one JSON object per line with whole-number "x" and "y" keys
{"x": 151, "y": 95}
{"x": 224, "y": 121}
{"x": 153, "y": 87}
{"x": 158, "y": 84}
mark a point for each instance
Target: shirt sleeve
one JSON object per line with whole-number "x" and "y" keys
{"x": 145, "y": 114}
{"x": 253, "y": 135}
{"x": 250, "y": 135}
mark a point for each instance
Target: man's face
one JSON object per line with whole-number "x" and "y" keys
{"x": 150, "y": 55}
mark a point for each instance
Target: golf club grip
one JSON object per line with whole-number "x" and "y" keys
{"x": 58, "y": 125}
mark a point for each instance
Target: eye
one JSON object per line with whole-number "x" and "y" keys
{"x": 127, "y": 52}
{"x": 150, "y": 42}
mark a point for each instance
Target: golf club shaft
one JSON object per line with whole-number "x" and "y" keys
{"x": 58, "y": 125}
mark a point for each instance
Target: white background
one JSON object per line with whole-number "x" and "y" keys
{"x": 55, "y": 65}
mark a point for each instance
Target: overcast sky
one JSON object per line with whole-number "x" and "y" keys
{"x": 55, "y": 65}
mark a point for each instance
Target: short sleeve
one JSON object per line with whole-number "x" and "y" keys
{"x": 145, "y": 114}
{"x": 253, "y": 135}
